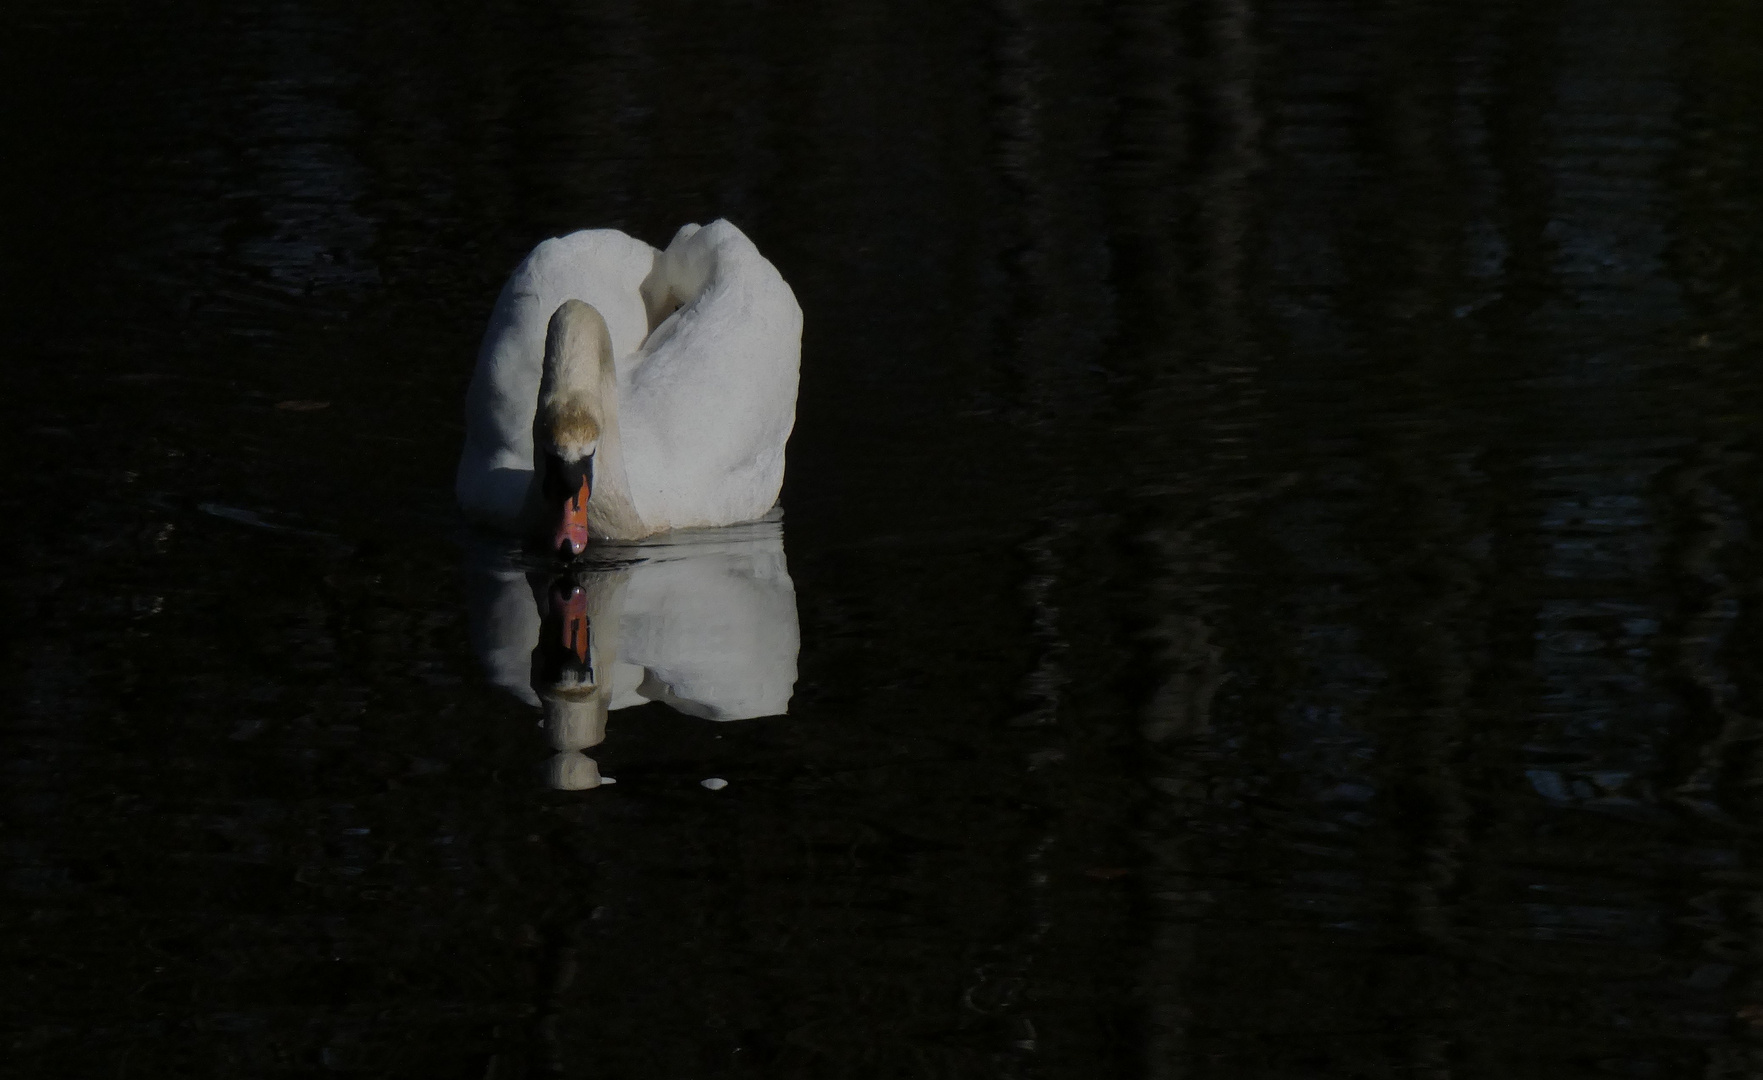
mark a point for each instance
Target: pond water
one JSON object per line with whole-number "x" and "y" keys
{"x": 1266, "y": 583}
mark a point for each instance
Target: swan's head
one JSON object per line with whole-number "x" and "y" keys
{"x": 579, "y": 379}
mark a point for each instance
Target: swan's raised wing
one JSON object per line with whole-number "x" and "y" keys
{"x": 708, "y": 403}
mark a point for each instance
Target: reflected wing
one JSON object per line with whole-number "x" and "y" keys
{"x": 715, "y": 629}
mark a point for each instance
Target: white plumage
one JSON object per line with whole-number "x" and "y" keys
{"x": 705, "y": 399}
{"x": 704, "y": 622}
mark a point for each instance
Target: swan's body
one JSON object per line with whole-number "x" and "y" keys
{"x": 674, "y": 376}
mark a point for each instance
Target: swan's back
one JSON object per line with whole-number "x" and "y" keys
{"x": 708, "y": 403}
{"x": 603, "y": 267}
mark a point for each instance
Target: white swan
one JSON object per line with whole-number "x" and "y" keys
{"x": 622, "y": 391}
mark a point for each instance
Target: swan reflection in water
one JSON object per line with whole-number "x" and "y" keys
{"x": 703, "y": 621}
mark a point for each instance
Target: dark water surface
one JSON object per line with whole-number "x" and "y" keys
{"x": 1272, "y": 523}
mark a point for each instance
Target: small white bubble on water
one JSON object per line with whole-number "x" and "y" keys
{"x": 715, "y": 783}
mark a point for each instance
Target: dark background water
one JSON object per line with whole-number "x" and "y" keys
{"x": 1272, "y": 515}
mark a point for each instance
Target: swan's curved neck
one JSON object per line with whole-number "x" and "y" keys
{"x": 577, "y": 415}
{"x": 578, "y": 390}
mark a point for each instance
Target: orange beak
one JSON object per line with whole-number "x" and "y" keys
{"x": 571, "y": 538}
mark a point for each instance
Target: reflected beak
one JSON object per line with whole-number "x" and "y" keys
{"x": 573, "y": 624}
{"x": 571, "y": 538}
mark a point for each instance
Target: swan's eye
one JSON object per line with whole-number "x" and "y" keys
{"x": 552, "y": 482}
{"x": 563, "y": 479}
